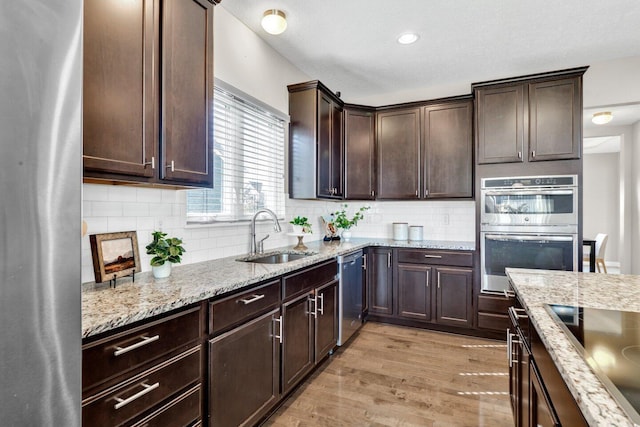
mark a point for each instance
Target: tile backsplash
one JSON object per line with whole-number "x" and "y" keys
{"x": 113, "y": 208}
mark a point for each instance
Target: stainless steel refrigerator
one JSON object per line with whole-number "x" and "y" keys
{"x": 40, "y": 212}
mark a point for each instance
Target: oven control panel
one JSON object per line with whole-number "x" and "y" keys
{"x": 531, "y": 181}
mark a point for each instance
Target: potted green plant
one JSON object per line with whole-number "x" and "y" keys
{"x": 301, "y": 225}
{"x": 344, "y": 223}
{"x": 165, "y": 251}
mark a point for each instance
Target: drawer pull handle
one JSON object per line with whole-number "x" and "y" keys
{"x": 253, "y": 298}
{"x": 433, "y": 256}
{"x": 147, "y": 389}
{"x": 145, "y": 341}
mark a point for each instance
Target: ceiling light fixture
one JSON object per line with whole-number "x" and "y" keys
{"x": 602, "y": 118}
{"x": 408, "y": 38}
{"x": 274, "y": 21}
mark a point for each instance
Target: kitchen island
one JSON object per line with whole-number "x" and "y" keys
{"x": 105, "y": 309}
{"x": 535, "y": 288}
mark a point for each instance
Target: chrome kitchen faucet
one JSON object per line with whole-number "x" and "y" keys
{"x": 258, "y": 246}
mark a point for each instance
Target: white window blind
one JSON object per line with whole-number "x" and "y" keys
{"x": 248, "y": 163}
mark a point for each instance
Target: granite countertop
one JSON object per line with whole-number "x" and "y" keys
{"x": 606, "y": 291}
{"x": 105, "y": 308}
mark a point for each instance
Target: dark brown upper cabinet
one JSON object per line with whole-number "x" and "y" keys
{"x": 448, "y": 149}
{"x": 359, "y": 148}
{"x": 398, "y": 165}
{"x": 315, "y": 142}
{"x": 530, "y": 118}
{"x": 148, "y": 91}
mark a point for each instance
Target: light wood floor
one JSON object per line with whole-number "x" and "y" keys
{"x": 396, "y": 376}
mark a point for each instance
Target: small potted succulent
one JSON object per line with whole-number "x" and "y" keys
{"x": 165, "y": 251}
{"x": 342, "y": 221}
{"x": 301, "y": 225}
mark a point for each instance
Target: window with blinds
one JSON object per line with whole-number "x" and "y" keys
{"x": 248, "y": 163}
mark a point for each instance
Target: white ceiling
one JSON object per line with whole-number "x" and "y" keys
{"x": 350, "y": 45}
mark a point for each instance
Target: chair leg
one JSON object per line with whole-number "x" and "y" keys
{"x": 599, "y": 262}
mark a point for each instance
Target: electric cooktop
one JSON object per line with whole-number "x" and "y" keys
{"x": 609, "y": 340}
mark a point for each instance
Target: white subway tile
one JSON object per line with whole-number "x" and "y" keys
{"x": 117, "y": 224}
{"x": 135, "y": 209}
{"x": 106, "y": 209}
{"x": 121, "y": 193}
{"x": 94, "y": 192}
{"x": 150, "y": 195}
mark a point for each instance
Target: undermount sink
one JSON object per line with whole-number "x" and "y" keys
{"x": 277, "y": 258}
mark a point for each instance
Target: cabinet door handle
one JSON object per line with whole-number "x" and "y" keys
{"x": 152, "y": 163}
{"x": 433, "y": 256}
{"x": 253, "y": 298}
{"x": 145, "y": 341}
{"x": 321, "y": 309}
{"x": 364, "y": 261}
{"x": 533, "y": 153}
{"x": 388, "y": 259}
{"x": 417, "y": 193}
{"x": 509, "y": 347}
{"x": 520, "y": 154}
{"x": 313, "y": 301}
{"x": 279, "y": 335}
{"x": 508, "y": 294}
{"x": 428, "y": 278}
{"x": 172, "y": 166}
{"x": 146, "y": 389}
{"x": 373, "y": 193}
{"x": 438, "y": 280}
{"x": 426, "y": 193}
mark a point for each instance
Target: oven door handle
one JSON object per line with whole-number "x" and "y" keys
{"x": 524, "y": 192}
{"x": 519, "y": 238}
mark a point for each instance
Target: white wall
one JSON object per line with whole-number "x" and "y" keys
{"x": 601, "y": 202}
{"x": 612, "y": 82}
{"x": 635, "y": 201}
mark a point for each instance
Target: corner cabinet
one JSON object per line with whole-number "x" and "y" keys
{"x": 530, "y": 118}
{"x": 359, "y": 149}
{"x": 148, "y": 87}
{"x": 315, "y": 142}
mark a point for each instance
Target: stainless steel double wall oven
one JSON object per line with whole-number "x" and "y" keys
{"x": 527, "y": 222}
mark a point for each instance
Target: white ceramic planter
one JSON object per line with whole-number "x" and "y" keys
{"x": 162, "y": 271}
{"x": 346, "y": 235}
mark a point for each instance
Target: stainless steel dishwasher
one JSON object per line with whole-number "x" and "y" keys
{"x": 350, "y": 295}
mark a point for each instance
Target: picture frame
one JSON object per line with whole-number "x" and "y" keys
{"x": 114, "y": 255}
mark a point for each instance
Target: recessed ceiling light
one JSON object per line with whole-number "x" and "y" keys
{"x": 602, "y": 118}
{"x": 274, "y": 21}
{"x": 408, "y": 38}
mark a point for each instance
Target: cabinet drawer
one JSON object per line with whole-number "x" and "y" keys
{"x": 494, "y": 304}
{"x": 184, "y": 410}
{"x": 456, "y": 258}
{"x": 496, "y": 322}
{"x": 305, "y": 280}
{"x": 134, "y": 396}
{"x": 128, "y": 351}
{"x": 244, "y": 306}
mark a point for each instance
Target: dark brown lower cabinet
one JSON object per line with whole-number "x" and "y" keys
{"x": 454, "y": 290}
{"x": 414, "y": 292}
{"x": 541, "y": 410}
{"x": 297, "y": 349}
{"x": 245, "y": 372}
{"x": 326, "y": 320}
{"x": 380, "y": 276}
